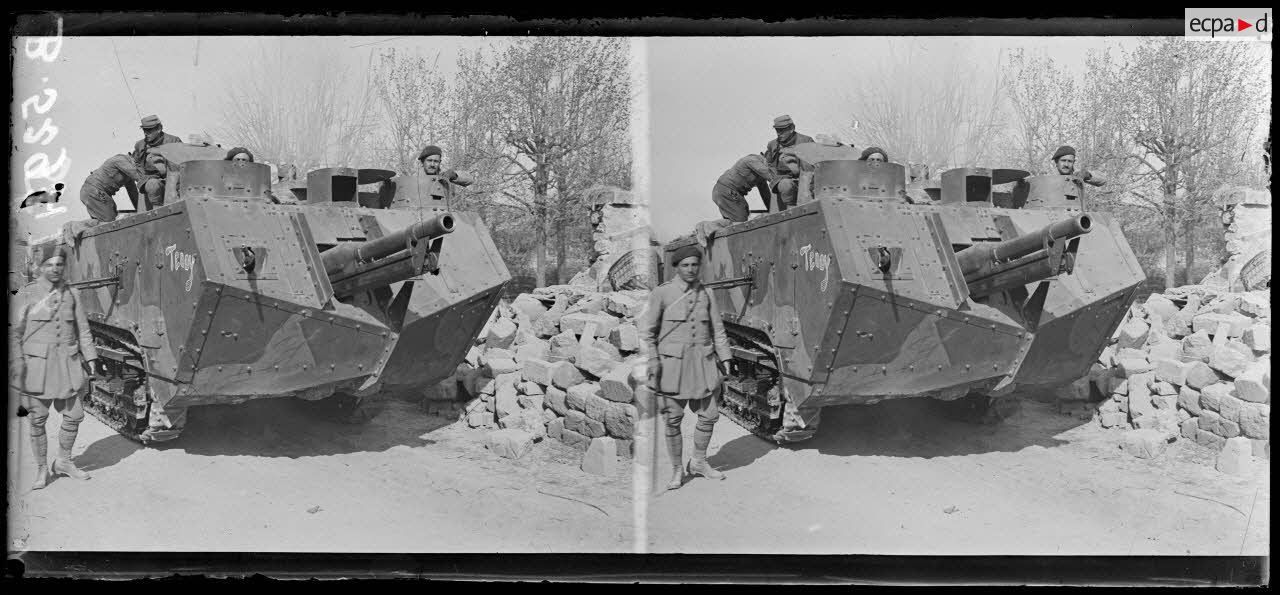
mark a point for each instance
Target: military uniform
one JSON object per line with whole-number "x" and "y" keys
{"x": 784, "y": 185}
{"x": 50, "y": 334}
{"x": 100, "y": 187}
{"x": 730, "y": 191}
{"x": 153, "y": 187}
{"x": 423, "y": 190}
{"x": 685, "y": 338}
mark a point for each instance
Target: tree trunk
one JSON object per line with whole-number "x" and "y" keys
{"x": 561, "y": 250}
{"x": 1170, "y": 239}
{"x": 1188, "y": 251}
{"x": 540, "y": 220}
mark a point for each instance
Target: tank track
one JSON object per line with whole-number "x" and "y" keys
{"x": 753, "y": 392}
{"x": 119, "y": 394}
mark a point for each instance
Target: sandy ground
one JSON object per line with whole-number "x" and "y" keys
{"x": 901, "y": 478}
{"x": 271, "y": 476}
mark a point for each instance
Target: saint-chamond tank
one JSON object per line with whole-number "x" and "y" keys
{"x": 223, "y": 295}
{"x": 869, "y": 290}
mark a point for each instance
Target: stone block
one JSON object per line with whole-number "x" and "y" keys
{"x": 1165, "y": 401}
{"x": 502, "y": 332}
{"x": 533, "y": 349}
{"x": 532, "y": 389}
{"x": 575, "y": 323}
{"x": 1130, "y": 353}
{"x": 1111, "y": 420}
{"x": 621, "y": 304}
{"x": 493, "y": 353}
{"x": 1209, "y": 439}
{"x": 1167, "y": 348}
{"x": 479, "y": 419}
{"x": 564, "y": 347}
{"x": 530, "y": 306}
{"x": 1257, "y": 338}
{"x": 1189, "y": 427}
{"x": 574, "y": 439}
{"x": 1236, "y": 322}
{"x": 531, "y": 401}
{"x": 1118, "y": 386}
{"x": 1236, "y": 457}
{"x": 546, "y": 326}
{"x": 1256, "y": 304}
{"x": 1170, "y": 370}
{"x": 555, "y": 428}
{"x": 601, "y": 457}
{"x": 1229, "y": 406}
{"x": 1197, "y": 347}
{"x": 486, "y": 385}
{"x": 593, "y": 428}
{"x": 1160, "y": 305}
{"x": 579, "y": 393}
{"x": 473, "y": 357}
{"x": 497, "y": 367}
{"x": 575, "y": 420}
{"x": 1132, "y": 366}
{"x": 597, "y": 361}
{"x": 596, "y": 406}
{"x": 1163, "y": 388}
{"x": 616, "y": 385}
{"x": 555, "y": 400}
{"x": 1232, "y": 358}
{"x": 1228, "y": 429}
{"x": 626, "y": 337}
{"x": 620, "y": 420}
{"x": 506, "y": 401}
{"x": 1183, "y": 415}
{"x": 1189, "y": 399}
{"x": 565, "y": 375}
{"x": 1261, "y": 449}
{"x": 510, "y": 443}
{"x": 1133, "y": 334}
{"x": 1250, "y": 385}
{"x": 1144, "y": 444}
{"x": 1255, "y": 421}
{"x": 1200, "y": 375}
{"x": 1209, "y": 421}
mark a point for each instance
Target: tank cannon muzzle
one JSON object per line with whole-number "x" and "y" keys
{"x": 395, "y": 257}
{"x": 990, "y": 267}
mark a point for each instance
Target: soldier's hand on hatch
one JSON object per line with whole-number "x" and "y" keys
{"x": 449, "y": 174}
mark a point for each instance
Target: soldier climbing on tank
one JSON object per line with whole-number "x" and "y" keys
{"x": 429, "y": 185}
{"x": 52, "y": 352}
{"x": 730, "y": 191}
{"x": 1064, "y": 161}
{"x": 153, "y": 135}
{"x": 688, "y": 357}
{"x": 785, "y": 182}
{"x": 99, "y": 189}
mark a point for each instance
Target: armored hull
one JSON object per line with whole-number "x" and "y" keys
{"x": 857, "y": 295}
{"x": 224, "y": 296}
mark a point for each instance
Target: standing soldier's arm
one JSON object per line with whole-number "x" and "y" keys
{"x": 718, "y": 336}
{"x": 87, "y": 350}
{"x": 649, "y": 323}
{"x": 17, "y": 327}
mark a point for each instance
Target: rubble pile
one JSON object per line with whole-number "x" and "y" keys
{"x": 555, "y": 363}
{"x": 1246, "y": 222}
{"x": 1193, "y": 362}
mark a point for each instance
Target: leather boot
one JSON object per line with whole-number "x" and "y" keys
{"x": 42, "y": 478}
{"x": 677, "y": 478}
{"x": 700, "y": 466}
{"x": 66, "y": 467}
{"x": 675, "y": 447}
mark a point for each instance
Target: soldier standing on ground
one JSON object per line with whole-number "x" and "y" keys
{"x": 730, "y": 191}
{"x": 688, "y": 354}
{"x": 153, "y": 135}
{"x": 785, "y": 185}
{"x": 54, "y": 350}
{"x": 427, "y": 186}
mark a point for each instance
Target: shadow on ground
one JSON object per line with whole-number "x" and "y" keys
{"x": 912, "y": 428}
{"x": 295, "y": 428}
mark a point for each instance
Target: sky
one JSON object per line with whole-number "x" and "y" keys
{"x": 707, "y": 101}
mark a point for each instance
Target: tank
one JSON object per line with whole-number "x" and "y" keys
{"x": 224, "y": 295}
{"x": 859, "y": 293}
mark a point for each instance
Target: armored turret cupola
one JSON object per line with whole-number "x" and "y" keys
{"x": 333, "y": 185}
{"x": 967, "y": 185}
{"x": 202, "y": 172}
{"x": 1054, "y": 191}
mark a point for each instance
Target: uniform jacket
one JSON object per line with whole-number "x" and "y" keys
{"x": 422, "y": 190}
{"x": 47, "y": 322}
{"x": 772, "y": 151}
{"x": 682, "y": 327}
{"x": 114, "y": 173}
{"x": 749, "y": 172}
{"x": 140, "y": 151}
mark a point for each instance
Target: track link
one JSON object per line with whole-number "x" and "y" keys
{"x": 119, "y": 394}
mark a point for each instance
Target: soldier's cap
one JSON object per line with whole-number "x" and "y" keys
{"x": 44, "y": 253}
{"x": 1063, "y": 151}
{"x": 782, "y": 121}
{"x": 429, "y": 151}
{"x": 684, "y": 252}
{"x": 150, "y": 121}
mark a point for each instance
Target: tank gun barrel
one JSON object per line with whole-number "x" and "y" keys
{"x": 990, "y": 267}
{"x": 395, "y": 257}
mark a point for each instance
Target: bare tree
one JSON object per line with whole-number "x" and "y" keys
{"x": 415, "y": 108}
{"x": 1046, "y": 106}
{"x": 293, "y": 104}
{"x": 949, "y": 116}
{"x": 1170, "y": 114}
{"x": 535, "y": 106}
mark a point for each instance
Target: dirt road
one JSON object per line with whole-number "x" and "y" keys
{"x": 270, "y": 476}
{"x": 900, "y": 478}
